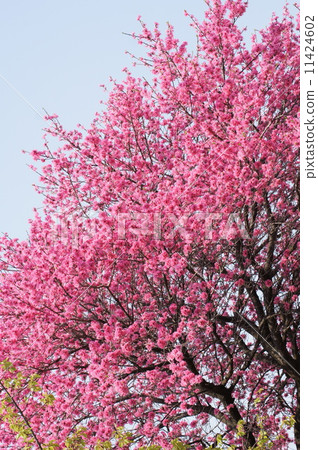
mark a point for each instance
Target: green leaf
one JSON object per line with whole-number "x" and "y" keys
{"x": 178, "y": 445}
{"x": 7, "y": 365}
{"x": 48, "y": 399}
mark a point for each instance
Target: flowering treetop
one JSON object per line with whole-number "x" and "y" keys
{"x": 159, "y": 290}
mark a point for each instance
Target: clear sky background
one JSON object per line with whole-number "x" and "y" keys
{"x": 56, "y": 54}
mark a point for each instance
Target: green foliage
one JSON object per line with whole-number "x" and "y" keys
{"x": 178, "y": 445}
{"x": 32, "y": 383}
{"x": 103, "y": 445}
{"x": 221, "y": 445}
{"x": 7, "y": 366}
{"x": 122, "y": 437}
{"x": 15, "y": 382}
{"x": 263, "y": 441}
{"x": 51, "y": 445}
{"x": 288, "y": 422}
{"x": 16, "y": 424}
{"x": 240, "y": 428}
{"x": 77, "y": 440}
{"x": 48, "y": 399}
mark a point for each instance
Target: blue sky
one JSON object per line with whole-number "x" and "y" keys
{"x": 56, "y": 55}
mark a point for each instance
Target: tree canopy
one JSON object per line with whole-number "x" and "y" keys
{"x": 158, "y": 291}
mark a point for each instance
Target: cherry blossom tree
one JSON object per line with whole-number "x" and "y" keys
{"x": 158, "y": 291}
